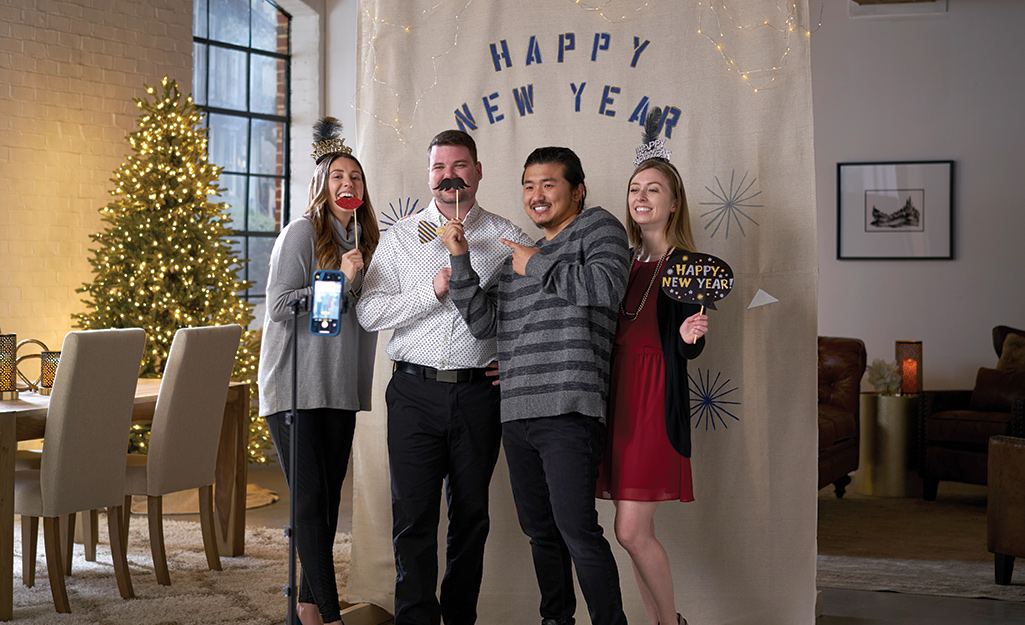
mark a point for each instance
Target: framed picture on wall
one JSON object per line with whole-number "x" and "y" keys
{"x": 895, "y": 211}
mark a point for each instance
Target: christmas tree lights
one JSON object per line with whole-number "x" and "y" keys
{"x": 164, "y": 260}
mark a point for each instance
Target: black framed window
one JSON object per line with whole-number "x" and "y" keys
{"x": 241, "y": 80}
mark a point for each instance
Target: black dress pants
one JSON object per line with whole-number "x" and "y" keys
{"x": 440, "y": 433}
{"x": 324, "y": 443}
{"x": 553, "y": 468}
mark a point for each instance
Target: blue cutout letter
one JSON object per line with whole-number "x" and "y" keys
{"x": 605, "y": 38}
{"x": 533, "y": 51}
{"x": 497, "y": 58}
{"x": 491, "y": 109}
{"x": 670, "y": 117}
{"x": 640, "y": 112}
{"x": 524, "y": 99}
{"x": 606, "y": 99}
{"x": 638, "y": 48}
{"x": 464, "y": 119}
{"x": 577, "y": 93}
{"x": 567, "y": 42}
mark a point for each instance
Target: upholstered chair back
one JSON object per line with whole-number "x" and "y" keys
{"x": 87, "y": 424}
{"x": 190, "y": 408}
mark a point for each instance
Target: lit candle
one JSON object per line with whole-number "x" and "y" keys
{"x": 909, "y": 384}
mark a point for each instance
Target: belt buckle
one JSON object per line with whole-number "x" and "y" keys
{"x": 449, "y": 376}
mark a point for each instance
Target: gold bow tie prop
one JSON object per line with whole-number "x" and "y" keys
{"x": 697, "y": 278}
{"x": 428, "y": 231}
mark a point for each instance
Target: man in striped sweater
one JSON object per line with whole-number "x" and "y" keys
{"x": 555, "y": 318}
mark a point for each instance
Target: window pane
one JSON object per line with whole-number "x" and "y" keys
{"x": 229, "y": 21}
{"x": 227, "y": 78}
{"x": 267, "y": 86}
{"x": 259, "y": 312}
{"x": 233, "y": 193}
{"x": 265, "y": 25}
{"x": 265, "y": 197}
{"x": 268, "y": 148}
{"x": 199, "y": 13}
{"x": 229, "y": 136}
{"x": 199, "y": 73}
{"x": 259, "y": 262}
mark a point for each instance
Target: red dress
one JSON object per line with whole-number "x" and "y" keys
{"x": 639, "y": 463}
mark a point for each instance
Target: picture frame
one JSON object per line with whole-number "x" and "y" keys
{"x": 895, "y": 210}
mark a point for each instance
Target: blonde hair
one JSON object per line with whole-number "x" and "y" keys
{"x": 678, "y": 230}
{"x": 318, "y": 212}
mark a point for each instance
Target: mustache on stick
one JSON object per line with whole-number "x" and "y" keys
{"x": 451, "y": 184}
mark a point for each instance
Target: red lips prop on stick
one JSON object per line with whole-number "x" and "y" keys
{"x": 350, "y": 204}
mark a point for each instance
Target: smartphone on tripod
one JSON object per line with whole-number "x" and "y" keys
{"x": 328, "y": 304}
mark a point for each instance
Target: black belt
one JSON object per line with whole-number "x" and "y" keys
{"x": 451, "y": 376}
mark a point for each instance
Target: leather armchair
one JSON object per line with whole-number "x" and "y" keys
{"x": 841, "y": 365}
{"x": 955, "y": 426}
{"x": 1005, "y": 507}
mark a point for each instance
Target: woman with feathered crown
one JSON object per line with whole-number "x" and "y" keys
{"x": 338, "y": 231}
{"x": 647, "y": 449}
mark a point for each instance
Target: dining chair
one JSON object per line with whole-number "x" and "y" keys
{"x": 185, "y": 434}
{"x": 82, "y": 463}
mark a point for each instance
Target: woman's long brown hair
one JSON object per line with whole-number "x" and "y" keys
{"x": 325, "y": 246}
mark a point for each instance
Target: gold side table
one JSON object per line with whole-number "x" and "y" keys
{"x": 887, "y": 446}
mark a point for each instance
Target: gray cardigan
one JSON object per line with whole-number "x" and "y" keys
{"x": 555, "y": 325}
{"x": 334, "y": 371}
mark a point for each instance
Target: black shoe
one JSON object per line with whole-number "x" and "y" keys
{"x": 555, "y": 621}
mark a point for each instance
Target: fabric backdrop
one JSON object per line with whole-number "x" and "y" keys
{"x": 735, "y": 80}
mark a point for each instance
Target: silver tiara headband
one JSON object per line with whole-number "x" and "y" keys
{"x": 653, "y": 147}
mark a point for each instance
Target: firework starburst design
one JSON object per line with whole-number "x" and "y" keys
{"x": 730, "y": 204}
{"x": 708, "y": 400}
{"x": 397, "y": 211}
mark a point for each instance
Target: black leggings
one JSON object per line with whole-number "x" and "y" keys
{"x": 325, "y": 441}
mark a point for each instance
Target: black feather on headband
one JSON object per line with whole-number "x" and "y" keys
{"x": 327, "y": 139}
{"x": 651, "y": 125}
{"x": 653, "y": 147}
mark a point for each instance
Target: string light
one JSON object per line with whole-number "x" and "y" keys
{"x": 785, "y": 21}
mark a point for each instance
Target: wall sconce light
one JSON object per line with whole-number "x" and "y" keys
{"x": 909, "y": 359}
{"x": 8, "y": 368}
{"x": 47, "y": 370}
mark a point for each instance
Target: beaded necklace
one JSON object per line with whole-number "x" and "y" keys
{"x": 654, "y": 277}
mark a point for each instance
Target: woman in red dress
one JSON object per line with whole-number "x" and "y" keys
{"x": 647, "y": 451}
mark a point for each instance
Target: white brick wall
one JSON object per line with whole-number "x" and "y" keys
{"x": 68, "y": 73}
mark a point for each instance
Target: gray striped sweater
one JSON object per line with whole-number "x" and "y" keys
{"x": 555, "y": 326}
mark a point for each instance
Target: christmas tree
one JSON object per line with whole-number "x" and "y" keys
{"x": 164, "y": 261}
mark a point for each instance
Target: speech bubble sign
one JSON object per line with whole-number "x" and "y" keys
{"x": 697, "y": 278}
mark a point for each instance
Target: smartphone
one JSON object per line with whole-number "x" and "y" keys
{"x": 326, "y": 311}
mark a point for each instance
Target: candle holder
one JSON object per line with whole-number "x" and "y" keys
{"x": 8, "y": 368}
{"x": 909, "y": 359}
{"x": 48, "y": 362}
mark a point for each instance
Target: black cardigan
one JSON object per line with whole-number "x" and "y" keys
{"x": 671, "y": 314}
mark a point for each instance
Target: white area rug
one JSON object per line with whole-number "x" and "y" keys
{"x": 247, "y": 591}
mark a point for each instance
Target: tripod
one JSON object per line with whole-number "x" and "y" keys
{"x": 298, "y": 305}
{"x": 291, "y": 592}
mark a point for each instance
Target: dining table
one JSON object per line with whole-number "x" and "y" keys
{"x": 25, "y": 419}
